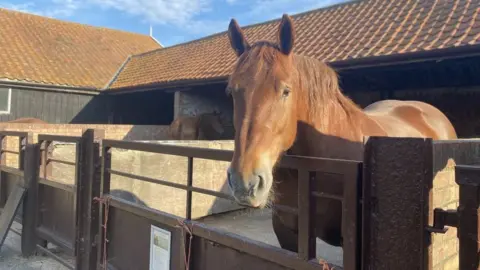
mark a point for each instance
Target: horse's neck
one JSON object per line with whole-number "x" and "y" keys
{"x": 336, "y": 132}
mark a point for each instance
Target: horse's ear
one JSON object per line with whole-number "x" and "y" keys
{"x": 237, "y": 38}
{"x": 286, "y": 35}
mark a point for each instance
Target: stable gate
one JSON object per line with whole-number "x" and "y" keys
{"x": 388, "y": 208}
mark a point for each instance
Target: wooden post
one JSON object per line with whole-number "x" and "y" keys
{"x": 306, "y": 212}
{"x": 106, "y": 159}
{"x": 3, "y": 192}
{"x": 88, "y": 187}
{"x": 397, "y": 181}
{"x": 30, "y": 204}
{"x": 468, "y": 178}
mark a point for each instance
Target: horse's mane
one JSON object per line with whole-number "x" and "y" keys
{"x": 320, "y": 85}
{"x": 317, "y": 81}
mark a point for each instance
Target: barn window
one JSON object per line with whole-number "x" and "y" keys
{"x": 5, "y": 99}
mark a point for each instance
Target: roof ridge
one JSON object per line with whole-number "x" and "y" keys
{"x": 25, "y": 13}
{"x": 341, "y": 4}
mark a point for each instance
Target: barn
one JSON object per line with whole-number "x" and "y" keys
{"x": 57, "y": 71}
{"x": 422, "y": 50}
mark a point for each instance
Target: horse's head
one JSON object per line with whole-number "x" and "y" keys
{"x": 263, "y": 89}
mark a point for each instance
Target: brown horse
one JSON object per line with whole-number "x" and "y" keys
{"x": 283, "y": 101}
{"x": 27, "y": 120}
{"x": 205, "y": 126}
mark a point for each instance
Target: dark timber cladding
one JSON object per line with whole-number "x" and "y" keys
{"x": 51, "y": 105}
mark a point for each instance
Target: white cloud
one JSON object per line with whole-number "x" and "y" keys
{"x": 53, "y": 8}
{"x": 176, "y": 12}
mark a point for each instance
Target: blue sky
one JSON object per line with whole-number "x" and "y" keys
{"x": 173, "y": 21}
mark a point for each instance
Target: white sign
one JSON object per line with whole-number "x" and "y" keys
{"x": 160, "y": 244}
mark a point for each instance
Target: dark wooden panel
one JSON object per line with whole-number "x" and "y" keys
{"x": 129, "y": 241}
{"x": 56, "y": 107}
{"x": 208, "y": 255}
{"x": 56, "y": 213}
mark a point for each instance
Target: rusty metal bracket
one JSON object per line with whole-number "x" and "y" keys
{"x": 442, "y": 218}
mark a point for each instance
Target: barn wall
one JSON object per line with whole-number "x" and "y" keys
{"x": 56, "y": 107}
{"x": 143, "y": 108}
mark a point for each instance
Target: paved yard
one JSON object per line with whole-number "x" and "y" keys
{"x": 11, "y": 258}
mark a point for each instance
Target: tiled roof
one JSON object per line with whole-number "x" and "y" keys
{"x": 354, "y": 30}
{"x": 43, "y": 50}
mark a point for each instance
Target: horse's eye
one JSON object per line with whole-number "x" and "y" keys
{"x": 286, "y": 92}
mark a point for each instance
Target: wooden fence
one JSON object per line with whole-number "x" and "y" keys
{"x": 385, "y": 209}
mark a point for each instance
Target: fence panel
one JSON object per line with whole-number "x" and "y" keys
{"x": 120, "y": 247}
{"x": 57, "y": 217}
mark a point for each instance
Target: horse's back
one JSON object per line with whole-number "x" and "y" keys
{"x": 411, "y": 119}
{"x": 183, "y": 128}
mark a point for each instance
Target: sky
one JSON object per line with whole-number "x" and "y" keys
{"x": 172, "y": 21}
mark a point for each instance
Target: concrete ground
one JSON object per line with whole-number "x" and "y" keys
{"x": 257, "y": 225}
{"x": 11, "y": 255}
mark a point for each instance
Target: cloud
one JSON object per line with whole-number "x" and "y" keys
{"x": 190, "y": 18}
{"x": 176, "y": 12}
{"x": 51, "y": 8}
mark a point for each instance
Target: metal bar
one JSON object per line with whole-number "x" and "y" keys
{"x": 22, "y": 142}
{"x": 46, "y": 167}
{"x": 189, "y": 185}
{"x": 351, "y": 218}
{"x": 57, "y": 185}
{"x": 61, "y": 161}
{"x": 13, "y": 133}
{"x": 76, "y": 193}
{"x": 317, "y": 194}
{"x": 58, "y": 138}
{"x": 306, "y": 220}
{"x": 10, "y": 151}
{"x": 184, "y": 151}
{"x": 11, "y": 170}
{"x": 292, "y": 162}
{"x": 106, "y": 160}
{"x": 55, "y": 257}
{"x": 173, "y": 185}
{"x": 3, "y": 185}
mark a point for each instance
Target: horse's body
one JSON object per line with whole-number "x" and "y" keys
{"x": 284, "y": 101}
{"x": 201, "y": 127}
{"x": 27, "y": 120}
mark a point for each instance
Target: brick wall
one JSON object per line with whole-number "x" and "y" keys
{"x": 445, "y": 195}
{"x": 114, "y": 132}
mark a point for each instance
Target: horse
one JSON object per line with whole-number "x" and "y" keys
{"x": 206, "y": 126}
{"x": 288, "y": 103}
{"x": 27, "y": 120}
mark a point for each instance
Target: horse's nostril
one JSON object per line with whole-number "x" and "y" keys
{"x": 261, "y": 182}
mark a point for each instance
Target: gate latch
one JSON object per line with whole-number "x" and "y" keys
{"x": 442, "y": 218}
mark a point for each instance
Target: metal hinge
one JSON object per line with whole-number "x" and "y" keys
{"x": 442, "y": 218}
